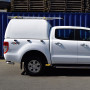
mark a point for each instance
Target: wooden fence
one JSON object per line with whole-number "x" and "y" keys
{"x": 50, "y": 5}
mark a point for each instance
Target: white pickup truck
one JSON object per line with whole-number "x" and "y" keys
{"x": 37, "y": 44}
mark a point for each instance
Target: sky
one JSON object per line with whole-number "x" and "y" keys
{"x": 5, "y": 0}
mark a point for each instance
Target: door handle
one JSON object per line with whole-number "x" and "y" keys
{"x": 83, "y": 44}
{"x": 59, "y": 44}
{"x": 86, "y": 45}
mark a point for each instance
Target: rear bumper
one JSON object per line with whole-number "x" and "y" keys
{"x": 12, "y": 57}
{"x": 10, "y": 62}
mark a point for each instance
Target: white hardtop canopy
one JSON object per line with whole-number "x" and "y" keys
{"x": 28, "y": 28}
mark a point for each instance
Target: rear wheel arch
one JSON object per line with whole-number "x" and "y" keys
{"x": 34, "y": 53}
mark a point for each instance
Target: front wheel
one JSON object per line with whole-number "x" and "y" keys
{"x": 34, "y": 66}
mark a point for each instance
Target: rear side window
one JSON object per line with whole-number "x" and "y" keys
{"x": 84, "y": 35}
{"x": 65, "y": 34}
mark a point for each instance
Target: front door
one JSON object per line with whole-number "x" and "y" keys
{"x": 64, "y": 47}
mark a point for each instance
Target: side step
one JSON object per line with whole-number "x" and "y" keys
{"x": 73, "y": 66}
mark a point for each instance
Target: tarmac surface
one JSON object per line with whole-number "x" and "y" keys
{"x": 53, "y": 79}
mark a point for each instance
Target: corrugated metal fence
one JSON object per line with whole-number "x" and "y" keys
{"x": 69, "y": 19}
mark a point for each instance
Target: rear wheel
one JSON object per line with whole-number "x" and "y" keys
{"x": 34, "y": 65}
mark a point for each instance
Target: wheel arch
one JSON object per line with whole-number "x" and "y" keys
{"x": 34, "y": 52}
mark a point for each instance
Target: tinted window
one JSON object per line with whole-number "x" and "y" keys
{"x": 65, "y": 34}
{"x": 84, "y": 35}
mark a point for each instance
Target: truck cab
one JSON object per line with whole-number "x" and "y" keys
{"x": 70, "y": 45}
{"x": 37, "y": 44}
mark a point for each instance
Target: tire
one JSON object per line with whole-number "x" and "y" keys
{"x": 34, "y": 66}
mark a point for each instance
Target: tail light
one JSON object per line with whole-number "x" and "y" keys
{"x": 6, "y": 47}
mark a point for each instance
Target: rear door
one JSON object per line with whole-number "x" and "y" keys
{"x": 64, "y": 47}
{"x": 84, "y": 46}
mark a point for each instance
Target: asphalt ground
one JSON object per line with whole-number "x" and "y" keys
{"x": 53, "y": 79}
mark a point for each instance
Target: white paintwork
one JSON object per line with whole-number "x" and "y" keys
{"x": 27, "y": 28}
{"x": 22, "y": 30}
{"x": 84, "y": 52}
{"x": 16, "y": 52}
{"x": 69, "y": 52}
{"x": 64, "y": 53}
